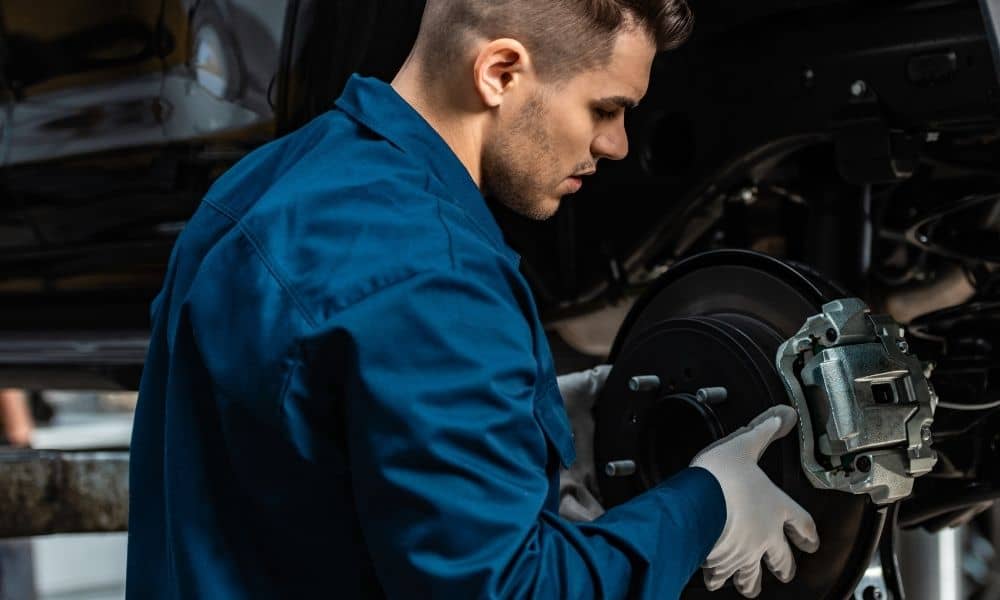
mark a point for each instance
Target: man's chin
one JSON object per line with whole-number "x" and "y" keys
{"x": 540, "y": 209}
{"x": 545, "y": 209}
{"x": 552, "y": 206}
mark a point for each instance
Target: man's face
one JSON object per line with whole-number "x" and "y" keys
{"x": 551, "y": 135}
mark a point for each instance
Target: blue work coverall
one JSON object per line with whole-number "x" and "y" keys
{"x": 348, "y": 393}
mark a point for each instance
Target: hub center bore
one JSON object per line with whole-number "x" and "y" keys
{"x": 675, "y": 429}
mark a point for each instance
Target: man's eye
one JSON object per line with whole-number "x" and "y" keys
{"x": 604, "y": 115}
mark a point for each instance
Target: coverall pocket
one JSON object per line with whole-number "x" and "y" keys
{"x": 552, "y": 418}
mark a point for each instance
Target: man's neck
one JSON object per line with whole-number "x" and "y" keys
{"x": 434, "y": 105}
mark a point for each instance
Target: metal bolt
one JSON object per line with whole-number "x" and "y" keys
{"x": 926, "y": 434}
{"x": 859, "y": 88}
{"x": 903, "y": 346}
{"x": 873, "y": 593}
{"x": 863, "y": 463}
{"x": 712, "y": 395}
{"x": 644, "y": 383}
{"x": 619, "y": 468}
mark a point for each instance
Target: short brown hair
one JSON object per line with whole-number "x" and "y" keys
{"x": 563, "y": 36}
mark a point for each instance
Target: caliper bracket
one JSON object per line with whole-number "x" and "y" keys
{"x": 865, "y": 407}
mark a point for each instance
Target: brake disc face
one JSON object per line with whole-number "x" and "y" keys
{"x": 717, "y": 321}
{"x": 865, "y": 407}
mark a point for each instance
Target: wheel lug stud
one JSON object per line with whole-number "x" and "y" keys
{"x": 644, "y": 383}
{"x": 712, "y": 395}
{"x": 619, "y": 468}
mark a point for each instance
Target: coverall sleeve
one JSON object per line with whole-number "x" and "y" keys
{"x": 448, "y": 462}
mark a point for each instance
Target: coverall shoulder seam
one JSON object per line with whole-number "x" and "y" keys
{"x": 266, "y": 260}
{"x": 444, "y": 223}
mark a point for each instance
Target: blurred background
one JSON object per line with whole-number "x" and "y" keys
{"x": 859, "y": 138}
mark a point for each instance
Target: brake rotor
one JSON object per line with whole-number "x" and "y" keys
{"x": 717, "y": 320}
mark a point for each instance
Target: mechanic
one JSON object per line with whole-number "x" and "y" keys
{"x": 348, "y": 391}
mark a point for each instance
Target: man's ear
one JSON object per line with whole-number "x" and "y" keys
{"x": 500, "y": 66}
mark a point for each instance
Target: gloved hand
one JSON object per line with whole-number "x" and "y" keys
{"x": 759, "y": 514}
{"x": 579, "y": 498}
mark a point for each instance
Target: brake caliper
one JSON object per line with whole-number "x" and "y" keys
{"x": 864, "y": 402}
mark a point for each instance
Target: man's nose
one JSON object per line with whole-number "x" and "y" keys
{"x": 611, "y": 144}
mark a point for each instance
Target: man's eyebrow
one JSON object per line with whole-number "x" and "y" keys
{"x": 621, "y": 101}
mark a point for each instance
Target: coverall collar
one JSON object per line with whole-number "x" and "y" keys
{"x": 377, "y": 106}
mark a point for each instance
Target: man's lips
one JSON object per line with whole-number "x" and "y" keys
{"x": 576, "y": 181}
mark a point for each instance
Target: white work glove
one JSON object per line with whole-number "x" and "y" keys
{"x": 758, "y": 513}
{"x": 579, "y": 498}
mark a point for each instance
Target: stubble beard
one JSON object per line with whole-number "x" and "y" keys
{"x": 518, "y": 164}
